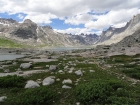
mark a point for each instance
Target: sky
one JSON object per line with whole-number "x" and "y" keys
{"x": 72, "y": 16}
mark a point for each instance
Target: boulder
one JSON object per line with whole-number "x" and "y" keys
{"x": 47, "y": 66}
{"x": 60, "y": 71}
{"x": 58, "y": 79}
{"x": 53, "y": 68}
{"x": 6, "y": 71}
{"x": 14, "y": 63}
{"x": 91, "y": 71}
{"x": 67, "y": 81}
{"x": 48, "y": 81}
{"x": 66, "y": 87}
{"x": 9, "y": 62}
{"x": 79, "y": 72}
{"x": 19, "y": 71}
{"x": 31, "y": 84}
{"x": 25, "y": 65}
{"x": 2, "y": 98}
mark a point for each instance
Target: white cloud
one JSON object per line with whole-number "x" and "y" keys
{"x": 41, "y": 18}
{"x": 20, "y": 16}
{"x": 115, "y": 18}
{"x": 42, "y": 11}
{"x": 79, "y": 19}
{"x": 78, "y": 31}
{"x": 63, "y": 8}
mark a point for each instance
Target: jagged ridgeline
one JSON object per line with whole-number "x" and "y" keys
{"x": 29, "y": 33}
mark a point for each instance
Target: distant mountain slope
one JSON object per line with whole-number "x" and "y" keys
{"x": 30, "y": 33}
{"x": 114, "y": 35}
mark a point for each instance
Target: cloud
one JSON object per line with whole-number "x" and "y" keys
{"x": 78, "y": 31}
{"x": 41, "y": 18}
{"x": 74, "y": 12}
{"x": 20, "y": 16}
{"x": 116, "y": 18}
{"x": 79, "y": 19}
{"x": 64, "y": 8}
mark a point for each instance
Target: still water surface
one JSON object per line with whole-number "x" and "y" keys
{"x": 9, "y": 56}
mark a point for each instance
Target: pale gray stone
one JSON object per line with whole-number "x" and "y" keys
{"x": 79, "y": 72}
{"x": 48, "y": 81}
{"x": 25, "y": 65}
{"x": 66, "y": 87}
{"x": 53, "y": 68}
{"x": 31, "y": 84}
{"x": 2, "y": 98}
{"x": 67, "y": 81}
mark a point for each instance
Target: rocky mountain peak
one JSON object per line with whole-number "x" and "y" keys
{"x": 27, "y": 21}
{"x": 7, "y": 21}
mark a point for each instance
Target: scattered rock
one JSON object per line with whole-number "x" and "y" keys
{"x": 60, "y": 71}
{"x": 92, "y": 71}
{"x": 77, "y": 103}
{"x": 79, "y": 72}
{"x": 48, "y": 81}
{"x": 14, "y": 63}
{"x": 19, "y": 72}
{"x": 39, "y": 81}
{"x": 47, "y": 66}
{"x": 58, "y": 79}
{"x": 25, "y": 65}
{"x": 66, "y": 67}
{"x": 9, "y": 62}
{"x": 31, "y": 84}
{"x": 6, "y": 71}
{"x": 2, "y": 98}
{"x": 53, "y": 68}
{"x": 66, "y": 87}
{"x": 67, "y": 81}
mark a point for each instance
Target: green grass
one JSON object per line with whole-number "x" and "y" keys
{"x": 7, "y": 43}
{"x": 120, "y": 92}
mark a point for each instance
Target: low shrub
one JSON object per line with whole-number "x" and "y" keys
{"x": 37, "y": 96}
{"x": 12, "y": 81}
{"x": 99, "y": 91}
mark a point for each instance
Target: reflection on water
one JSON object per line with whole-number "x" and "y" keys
{"x": 9, "y": 57}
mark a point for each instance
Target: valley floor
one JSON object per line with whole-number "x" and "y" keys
{"x": 76, "y": 77}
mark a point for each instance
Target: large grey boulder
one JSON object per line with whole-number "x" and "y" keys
{"x": 25, "y": 65}
{"x": 32, "y": 84}
{"x": 53, "y": 68}
{"x": 48, "y": 81}
{"x": 2, "y": 98}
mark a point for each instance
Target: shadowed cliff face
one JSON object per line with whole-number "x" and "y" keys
{"x": 26, "y": 30}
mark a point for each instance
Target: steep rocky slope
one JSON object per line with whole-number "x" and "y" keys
{"x": 114, "y": 35}
{"x": 130, "y": 45}
{"x": 30, "y": 33}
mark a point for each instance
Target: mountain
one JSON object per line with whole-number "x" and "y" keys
{"x": 130, "y": 45}
{"x": 114, "y": 35}
{"x": 30, "y": 33}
